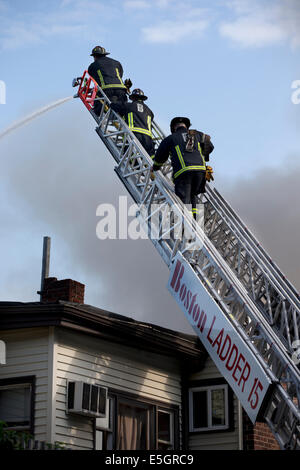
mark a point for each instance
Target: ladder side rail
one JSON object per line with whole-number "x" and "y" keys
{"x": 281, "y": 309}
{"x": 266, "y": 337}
{"x": 230, "y": 220}
{"x": 288, "y": 379}
{"x": 283, "y": 304}
{"x": 251, "y": 308}
{"x": 280, "y": 398}
{"x": 161, "y": 190}
{"x": 121, "y": 123}
{"x": 295, "y": 384}
{"x": 263, "y": 341}
{"x": 287, "y": 316}
{"x": 102, "y": 129}
{"x": 124, "y": 124}
{"x": 157, "y": 133}
{"x": 250, "y": 238}
{"x": 257, "y": 245}
{"x": 284, "y": 425}
{"x": 288, "y": 312}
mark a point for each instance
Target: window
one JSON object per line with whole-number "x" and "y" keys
{"x": 17, "y": 403}
{"x": 104, "y": 428}
{"x": 208, "y": 408}
{"x": 134, "y": 424}
{"x": 165, "y": 430}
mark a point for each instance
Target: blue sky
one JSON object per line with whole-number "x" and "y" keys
{"x": 228, "y": 65}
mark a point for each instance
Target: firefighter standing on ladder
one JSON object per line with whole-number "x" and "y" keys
{"x": 189, "y": 151}
{"x": 139, "y": 118}
{"x": 108, "y": 74}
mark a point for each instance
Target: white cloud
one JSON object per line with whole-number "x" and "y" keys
{"x": 19, "y": 35}
{"x": 250, "y": 32}
{"x": 173, "y": 31}
{"x": 72, "y": 18}
{"x": 175, "y": 21}
{"x": 258, "y": 24}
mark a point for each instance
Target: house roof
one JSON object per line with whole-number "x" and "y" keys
{"x": 106, "y": 325}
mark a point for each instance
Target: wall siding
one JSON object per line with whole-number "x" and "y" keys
{"x": 27, "y": 354}
{"x": 217, "y": 440}
{"x": 65, "y": 355}
{"x": 117, "y": 367}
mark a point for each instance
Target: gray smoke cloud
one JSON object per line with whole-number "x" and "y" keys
{"x": 268, "y": 203}
{"x": 289, "y": 18}
{"x": 55, "y": 174}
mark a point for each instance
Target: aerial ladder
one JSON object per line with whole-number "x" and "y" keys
{"x": 243, "y": 309}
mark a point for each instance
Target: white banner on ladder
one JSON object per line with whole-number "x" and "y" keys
{"x": 236, "y": 362}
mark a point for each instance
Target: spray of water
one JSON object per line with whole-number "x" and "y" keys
{"x": 31, "y": 116}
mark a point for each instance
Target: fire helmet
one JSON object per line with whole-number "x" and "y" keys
{"x": 138, "y": 93}
{"x": 177, "y": 120}
{"x": 98, "y": 50}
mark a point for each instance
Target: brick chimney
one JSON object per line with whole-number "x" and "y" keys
{"x": 66, "y": 289}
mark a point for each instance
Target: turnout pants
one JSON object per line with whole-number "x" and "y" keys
{"x": 188, "y": 185}
{"x": 114, "y": 95}
{"x": 146, "y": 142}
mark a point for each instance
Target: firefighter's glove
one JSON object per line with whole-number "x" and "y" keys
{"x": 209, "y": 174}
{"x": 128, "y": 83}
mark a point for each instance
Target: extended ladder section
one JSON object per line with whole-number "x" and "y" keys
{"x": 245, "y": 312}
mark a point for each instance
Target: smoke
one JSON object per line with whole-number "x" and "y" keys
{"x": 268, "y": 203}
{"x": 289, "y": 18}
{"x": 56, "y": 172}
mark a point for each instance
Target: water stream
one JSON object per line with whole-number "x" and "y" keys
{"x": 33, "y": 115}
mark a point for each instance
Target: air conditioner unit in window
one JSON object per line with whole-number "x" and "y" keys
{"x": 87, "y": 399}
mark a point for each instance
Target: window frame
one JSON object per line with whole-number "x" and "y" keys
{"x": 14, "y": 382}
{"x": 149, "y": 407}
{"x": 105, "y": 430}
{"x": 208, "y": 386}
{"x": 172, "y": 428}
{"x": 153, "y": 406}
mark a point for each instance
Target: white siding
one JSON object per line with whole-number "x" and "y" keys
{"x": 27, "y": 354}
{"x": 216, "y": 440}
{"x": 77, "y": 356}
{"x": 80, "y": 357}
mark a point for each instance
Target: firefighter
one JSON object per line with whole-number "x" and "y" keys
{"x": 139, "y": 118}
{"x": 108, "y": 74}
{"x": 189, "y": 150}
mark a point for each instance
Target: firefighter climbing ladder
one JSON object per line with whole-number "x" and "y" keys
{"x": 253, "y": 296}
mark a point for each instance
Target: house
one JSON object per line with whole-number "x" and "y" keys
{"x": 139, "y": 386}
